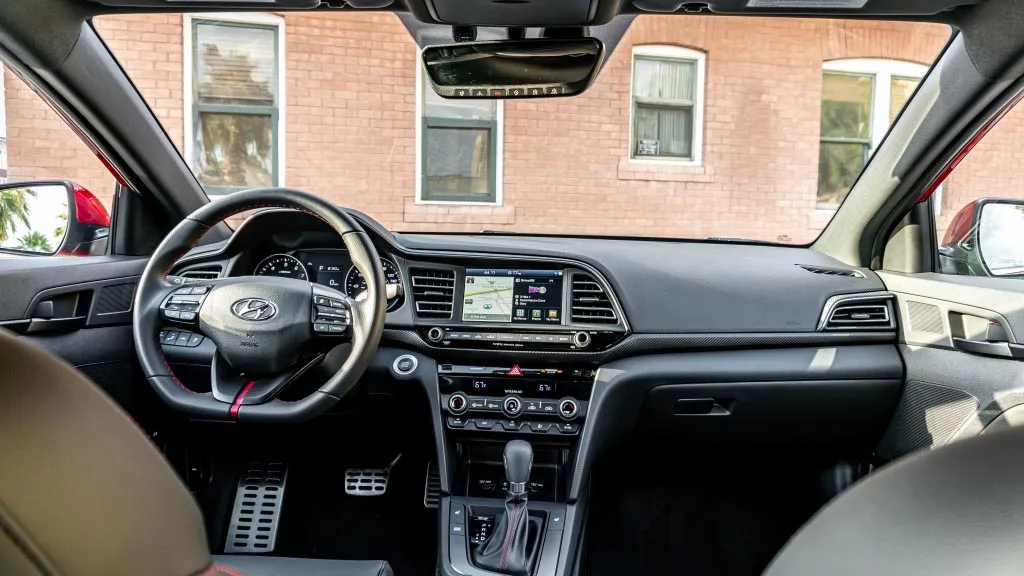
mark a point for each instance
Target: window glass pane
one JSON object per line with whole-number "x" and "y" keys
{"x": 846, "y": 106}
{"x": 902, "y": 89}
{"x": 668, "y": 79}
{"x": 437, "y": 107}
{"x": 234, "y": 150}
{"x": 235, "y": 65}
{"x": 457, "y": 163}
{"x": 663, "y": 131}
{"x": 839, "y": 164}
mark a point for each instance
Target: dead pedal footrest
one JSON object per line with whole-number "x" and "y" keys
{"x": 257, "y": 510}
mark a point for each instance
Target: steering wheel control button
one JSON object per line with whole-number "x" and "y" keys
{"x": 322, "y": 301}
{"x": 540, "y": 427}
{"x": 405, "y": 365}
{"x": 435, "y": 334}
{"x": 512, "y": 406}
{"x": 512, "y": 425}
{"x": 568, "y": 427}
{"x": 568, "y": 408}
{"x": 493, "y": 404}
{"x": 336, "y": 303}
{"x": 321, "y": 328}
{"x": 456, "y": 422}
{"x": 194, "y": 340}
{"x": 548, "y": 407}
{"x": 484, "y": 424}
{"x": 172, "y": 314}
{"x": 187, "y": 316}
{"x": 182, "y": 339}
{"x": 458, "y": 403}
{"x": 170, "y": 337}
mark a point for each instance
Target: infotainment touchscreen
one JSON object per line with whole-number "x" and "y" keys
{"x": 511, "y": 295}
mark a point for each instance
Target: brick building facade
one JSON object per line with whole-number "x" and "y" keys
{"x": 350, "y": 127}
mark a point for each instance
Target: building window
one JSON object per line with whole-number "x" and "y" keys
{"x": 459, "y": 149}
{"x": 860, "y": 99}
{"x": 233, "y": 137}
{"x": 667, "y": 101}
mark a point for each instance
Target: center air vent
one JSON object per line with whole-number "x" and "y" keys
{"x": 202, "y": 273}
{"x": 433, "y": 291}
{"x": 590, "y": 303}
{"x": 861, "y": 314}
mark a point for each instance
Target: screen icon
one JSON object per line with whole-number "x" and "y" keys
{"x": 535, "y": 314}
{"x": 552, "y": 313}
{"x": 521, "y": 313}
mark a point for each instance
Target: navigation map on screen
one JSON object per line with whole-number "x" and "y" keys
{"x": 508, "y": 295}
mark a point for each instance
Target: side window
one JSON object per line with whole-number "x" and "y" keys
{"x": 234, "y": 124}
{"x": 980, "y": 231}
{"x": 55, "y": 194}
{"x": 667, "y": 102}
{"x": 458, "y": 156}
{"x": 860, "y": 99}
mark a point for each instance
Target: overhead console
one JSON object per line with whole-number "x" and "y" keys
{"x": 530, "y": 307}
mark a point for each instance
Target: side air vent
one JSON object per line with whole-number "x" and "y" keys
{"x": 861, "y": 314}
{"x": 433, "y": 291}
{"x": 832, "y": 271}
{"x": 202, "y": 273}
{"x": 590, "y": 303}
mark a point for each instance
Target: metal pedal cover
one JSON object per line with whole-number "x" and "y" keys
{"x": 257, "y": 510}
{"x": 432, "y": 487}
{"x": 366, "y": 482}
{"x": 369, "y": 481}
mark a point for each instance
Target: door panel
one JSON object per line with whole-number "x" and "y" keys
{"x": 958, "y": 334}
{"x": 78, "y": 308}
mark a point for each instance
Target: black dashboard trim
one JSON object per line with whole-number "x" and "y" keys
{"x": 639, "y": 344}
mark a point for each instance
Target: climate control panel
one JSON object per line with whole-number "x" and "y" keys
{"x": 511, "y": 399}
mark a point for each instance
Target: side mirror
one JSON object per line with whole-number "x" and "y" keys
{"x": 53, "y": 217}
{"x": 986, "y": 238}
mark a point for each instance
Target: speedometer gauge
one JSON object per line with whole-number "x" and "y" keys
{"x": 356, "y": 284}
{"x": 283, "y": 266}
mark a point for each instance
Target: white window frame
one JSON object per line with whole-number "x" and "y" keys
{"x": 671, "y": 53}
{"x": 499, "y": 159}
{"x": 188, "y": 144}
{"x": 883, "y": 71}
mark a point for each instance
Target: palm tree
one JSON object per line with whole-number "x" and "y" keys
{"x": 35, "y": 242}
{"x": 13, "y": 208}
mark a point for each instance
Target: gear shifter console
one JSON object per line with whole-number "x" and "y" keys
{"x": 515, "y": 543}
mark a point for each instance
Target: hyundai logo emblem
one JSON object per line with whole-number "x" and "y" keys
{"x": 255, "y": 309}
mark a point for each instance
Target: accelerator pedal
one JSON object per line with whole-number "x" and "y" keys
{"x": 432, "y": 487}
{"x": 369, "y": 481}
{"x": 257, "y": 510}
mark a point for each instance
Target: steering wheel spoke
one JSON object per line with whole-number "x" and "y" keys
{"x": 238, "y": 389}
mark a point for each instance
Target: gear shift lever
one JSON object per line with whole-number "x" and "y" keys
{"x": 511, "y": 549}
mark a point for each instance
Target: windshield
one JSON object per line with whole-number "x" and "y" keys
{"x": 696, "y": 127}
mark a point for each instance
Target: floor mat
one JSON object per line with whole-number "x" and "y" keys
{"x": 672, "y": 522}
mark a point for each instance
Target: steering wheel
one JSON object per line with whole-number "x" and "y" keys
{"x": 268, "y": 331}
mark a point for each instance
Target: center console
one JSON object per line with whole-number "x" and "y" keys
{"x": 515, "y": 430}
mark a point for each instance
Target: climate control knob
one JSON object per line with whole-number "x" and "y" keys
{"x": 512, "y": 406}
{"x": 458, "y": 403}
{"x": 568, "y": 408}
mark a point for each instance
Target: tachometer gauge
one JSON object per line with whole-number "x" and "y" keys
{"x": 355, "y": 283}
{"x": 283, "y": 266}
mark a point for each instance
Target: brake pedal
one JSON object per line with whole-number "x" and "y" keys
{"x": 257, "y": 510}
{"x": 369, "y": 481}
{"x": 432, "y": 487}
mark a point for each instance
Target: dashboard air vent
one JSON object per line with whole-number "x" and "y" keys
{"x": 590, "y": 304}
{"x": 433, "y": 291}
{"x": 202, "y": 273}
{"x": 867, "y": 314}
{"x": 832, "y": 271}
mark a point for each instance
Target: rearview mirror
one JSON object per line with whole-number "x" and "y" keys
{"x": 51, "y": 218}
{"x": 986, "y": 238}
{"x": 536, "y": 68}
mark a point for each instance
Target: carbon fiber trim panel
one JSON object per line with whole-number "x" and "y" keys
{"x": 639, "y": 344}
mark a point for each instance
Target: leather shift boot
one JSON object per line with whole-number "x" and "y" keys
{"x": 512, "y": 547}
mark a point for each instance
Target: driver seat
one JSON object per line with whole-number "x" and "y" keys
{"x": 83, "y": 492}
